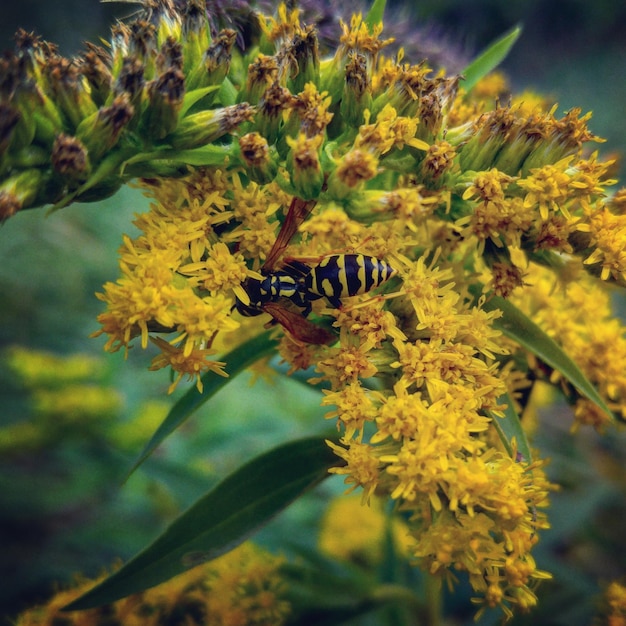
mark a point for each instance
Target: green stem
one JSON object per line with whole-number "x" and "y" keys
{"x": 434, "y": 600}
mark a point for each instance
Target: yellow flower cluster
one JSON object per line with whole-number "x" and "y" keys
{"x": 615, "y": 600}
{"x": 578, "y": 316}
{"x": 357, "y": 534}
{"x": 66, "y": 398}
{"x": 180, "y": 277}
{"x": 242, "y": 587}
{"x": 369, "y": 156}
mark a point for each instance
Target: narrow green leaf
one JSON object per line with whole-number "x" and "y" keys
{"x": 524, "y": 331}
{"x": 194, "y": 96}
{"x": 228, "y": 93}
{"x": 236, "y": 361}
{"x": 205, "y": 155}
{"x": 220, "y": 520}
{"x": 509, "y": 427}
{"x": 375, "y": 14}
{"x": 489, "y": 59}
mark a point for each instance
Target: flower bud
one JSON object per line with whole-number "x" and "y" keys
{"x": 68, "y": 90}
{"x": 101, "y": 131}
{"x": 94, "y": 65}
{"x": 165, "y": 99}
{"x": 355, "y": 168}
{"x": 170, "y": 56}
{"x": 357, "y": 96}
{"x": 262, "y": 75}
{"x": 406, "y": 87}
{"x": 272, "y": 105}
{"x": 195, "y": 34}
{"x": 301, "y": 56}
{"x": 303, "y": 163}
{"x": 438, "y": 161}
{"x": 20, "y": 192}
{"x": 131, "y": 82}
{"x": 70, "y": 160}
{"x": 205, "y": 127}
{"x": 142, "y": 42}
{"x": 216, "y": 61}
{"x": 259, "y": 159}
{"x": 9, "y": 118}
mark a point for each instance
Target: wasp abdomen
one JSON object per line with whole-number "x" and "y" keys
{"x": 342, "y": 275}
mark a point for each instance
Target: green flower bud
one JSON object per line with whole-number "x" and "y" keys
{"x": 131, "y": 81}
{"x": 70, "y": 160}
{"x": 486, "y": 138}
{"x": 303, "y": 163}
{"x": 9, "y": 118}
{"x": 165, "y": 99}
{"x": 120, "y": 34}
{"x": 216, "y": 61}
{"x": 69, "y": 91}
{"x": 195, "y": 34}
{"x": 22, "y": 86}
{"x": 352, "y": 171}
{"x": 168, "y": 19}
{"x": 274, "y": 102}
{"x": 438, "y": 161}
{"x": 142, "y": 44}
{"x": 101, "y": 131}
{"x": 20, "y": 192}
{"x": 262, "y": 76}
{"x": 260, "y": 160}
{"x": 405, "y": 92}
{"x": 301, "y": 56}
{"x": 204, "y": 127}
{"x": 357, "y": 92}
{"x": 94, "y": 65}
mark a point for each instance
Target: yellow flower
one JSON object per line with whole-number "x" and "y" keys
{"x": 608, "y": 238}
{"x": 354, "y": 408}
{"x": 578, "y": 316}
{"x": 241, "y": 587}
{"x": 192, "y": 364}
{"x": 615, "y": 599}
{"x": 345, "y": 365}
{"x": 220, "y": 271}
{"x": 364, "y": 154}
{"x": 354, "y": 531}
{"x": 362, "y": 467}
{"x": 548, "y": 188}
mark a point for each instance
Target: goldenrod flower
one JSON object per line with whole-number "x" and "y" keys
{"x": 355, "y": 532}
{"x": 360, "y": 154}
{"x": 242, "y": 587}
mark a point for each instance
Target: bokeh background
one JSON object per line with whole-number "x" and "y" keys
{"x": 64, "y": 506}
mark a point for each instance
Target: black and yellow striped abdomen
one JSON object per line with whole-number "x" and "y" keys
{"x": 342, "y": 275}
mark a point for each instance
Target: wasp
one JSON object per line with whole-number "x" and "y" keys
{"x": 287, "y": 293}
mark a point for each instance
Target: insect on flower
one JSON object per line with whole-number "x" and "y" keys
{"x": 287, "y": 293}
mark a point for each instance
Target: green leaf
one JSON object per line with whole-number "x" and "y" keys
{"x": 194, "y": 96}
{"x": 509, "y": 427}
{"x": 220, "y": 520}
{"x": 489, "y": 59}
{"x": 375, "y": 14}
{"x": 523, "y": 330}
{"x": 228, "y": 93}
{"x": 236, "y": 361}
{"x": 146, "y": 162}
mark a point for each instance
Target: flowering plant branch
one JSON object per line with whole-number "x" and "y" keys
{"x": 424, "y": 252}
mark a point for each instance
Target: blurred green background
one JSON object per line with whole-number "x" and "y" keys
{"x": 63, "y": 505}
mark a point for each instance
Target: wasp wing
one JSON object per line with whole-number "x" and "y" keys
{"x": 298, "y": 211}
{"x": 298, "y": 326}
